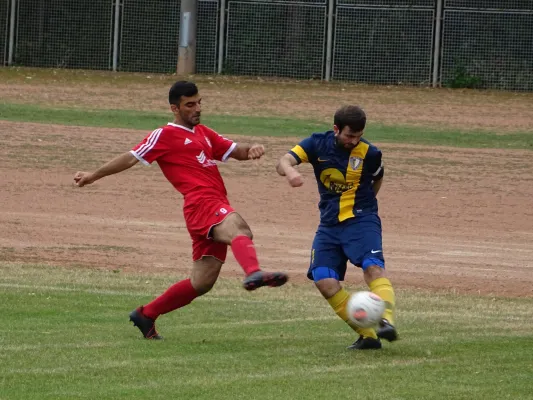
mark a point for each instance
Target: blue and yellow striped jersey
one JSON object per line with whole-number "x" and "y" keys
{"x": 344, "y": 178}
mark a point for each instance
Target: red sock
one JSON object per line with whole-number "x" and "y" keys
{"x": 178, "y": 295}
{"x": 244, "y": 251}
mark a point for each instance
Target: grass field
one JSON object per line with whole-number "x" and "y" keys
{"x": 273, "y": 126}
{"x": 65, "y": 332}
{"x": 65, "y": 335}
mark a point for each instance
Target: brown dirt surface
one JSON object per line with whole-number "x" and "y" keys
{"x": 455, "y": 220}
{"x": 460, "y": 109}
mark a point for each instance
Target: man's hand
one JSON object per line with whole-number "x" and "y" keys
{"x": 116, "y": 165}
{"x": 83, "y": 178}
{"x": 256, "y": 151}
{"x": 286, "y": 168}
{"x": 294, "y": 178}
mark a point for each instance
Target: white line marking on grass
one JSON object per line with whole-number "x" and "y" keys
{"x": 29, "y": 347}
{"x": 257, "y": 322}
{"x": 68, "y": 289}
{"x": 304, "y": 371}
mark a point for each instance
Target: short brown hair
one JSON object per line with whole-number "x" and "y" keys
{"x": 179, "y": 89}
{"x": 352, "y": 116}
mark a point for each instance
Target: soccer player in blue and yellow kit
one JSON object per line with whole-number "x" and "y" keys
{"x": 349, "y": 173}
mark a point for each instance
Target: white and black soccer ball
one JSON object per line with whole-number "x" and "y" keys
{"x": 365, "y": 309}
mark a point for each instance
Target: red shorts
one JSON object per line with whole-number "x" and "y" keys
{"x": 200, "y": 219}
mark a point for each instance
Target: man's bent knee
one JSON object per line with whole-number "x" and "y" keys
{"x": 202, "y": 287}
{"x": 244, "y": 231}
{"x": 326, "y": 281}
{"x": 205, "y": 274}
{"x": 232, "y": 226}
{"x": 373, "y": 272}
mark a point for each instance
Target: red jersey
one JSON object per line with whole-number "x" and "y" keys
{"x": 187, "y": 158}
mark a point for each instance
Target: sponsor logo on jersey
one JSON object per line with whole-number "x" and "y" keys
{"x": 202, "y": 159}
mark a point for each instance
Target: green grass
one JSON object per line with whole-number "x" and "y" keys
{"x": 65, "y": 335}
{"x": 149, "y": 120}
{"x": 261, "y": 126}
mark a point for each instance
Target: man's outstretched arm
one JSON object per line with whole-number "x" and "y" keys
{"x": 285, "y": 167}
{"x": 116, "y": 165}
{"x": 243, "y": 152}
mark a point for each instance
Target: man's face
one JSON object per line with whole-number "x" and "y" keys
{"x": 347, "y": 139}
{"x": 189, "y": 109}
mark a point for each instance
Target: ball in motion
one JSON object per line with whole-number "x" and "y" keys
{"x": 365, "y": 309}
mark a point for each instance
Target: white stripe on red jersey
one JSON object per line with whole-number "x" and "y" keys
{"x": 188, "y": 159}
{"x": 150, "y": 142}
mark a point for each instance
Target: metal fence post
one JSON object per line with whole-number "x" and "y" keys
{"x": 116, "y": 32}
{"x": 329, "y": 40}
{"x": 437, "y": 43}
{"x": 221, "y": 35}
{"x": 12, "y": 19}
{"x": 187, "y": 39}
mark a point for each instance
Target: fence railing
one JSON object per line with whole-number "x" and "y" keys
{"x": 457, "y": 43}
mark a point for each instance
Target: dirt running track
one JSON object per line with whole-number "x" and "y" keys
{"x": 457, "y": 220}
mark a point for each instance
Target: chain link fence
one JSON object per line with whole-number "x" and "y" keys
{"x": 275, "y": 39}
{"x": 64, "y": 33}
{"x": 4, "y": 29}
{"x": 476, "y": 43}
{"x": 487, "y": 47}
{"x": 149, "y": 36}
{"x": 389, "y": 3}
{"x": 387, "y": 45}
{"x": 207, "y": 36}
{"x": 490, "y": 4}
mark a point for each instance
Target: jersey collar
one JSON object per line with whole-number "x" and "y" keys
{"x": 181, "y": 126}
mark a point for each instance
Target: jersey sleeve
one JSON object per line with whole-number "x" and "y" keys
{"x": 222, "y": 147}
{"x": 151, "y": 148}
{"x": 375, "y": 166}
{"x": 304, "y": 152}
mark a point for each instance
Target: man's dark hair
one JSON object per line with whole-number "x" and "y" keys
{"x": 181, "y": 88}
{"x": 352, "y": 116}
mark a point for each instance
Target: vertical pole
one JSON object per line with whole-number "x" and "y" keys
{"x": 116, "y": 30}
{"x": 187, "y": 39}
{"x": 329, "y": 39}
{"x": 221, "y": 35}
{"x": 12, "y": 19}
{"x": 437, "y": 44}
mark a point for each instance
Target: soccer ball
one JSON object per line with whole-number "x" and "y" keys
{"x": 365, "y": 309}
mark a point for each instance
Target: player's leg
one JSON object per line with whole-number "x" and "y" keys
{"x": 208, "y": 258}
{"x": 235, "y": 232}
{"x": 327, "y": 269}
{"x": 376, "y": 279}
{"x": 362, "y": 243}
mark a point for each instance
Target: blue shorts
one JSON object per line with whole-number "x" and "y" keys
{"x": 357, "y": 240}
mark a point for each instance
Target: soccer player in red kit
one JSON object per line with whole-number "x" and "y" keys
{"x": 186, "y": 152}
